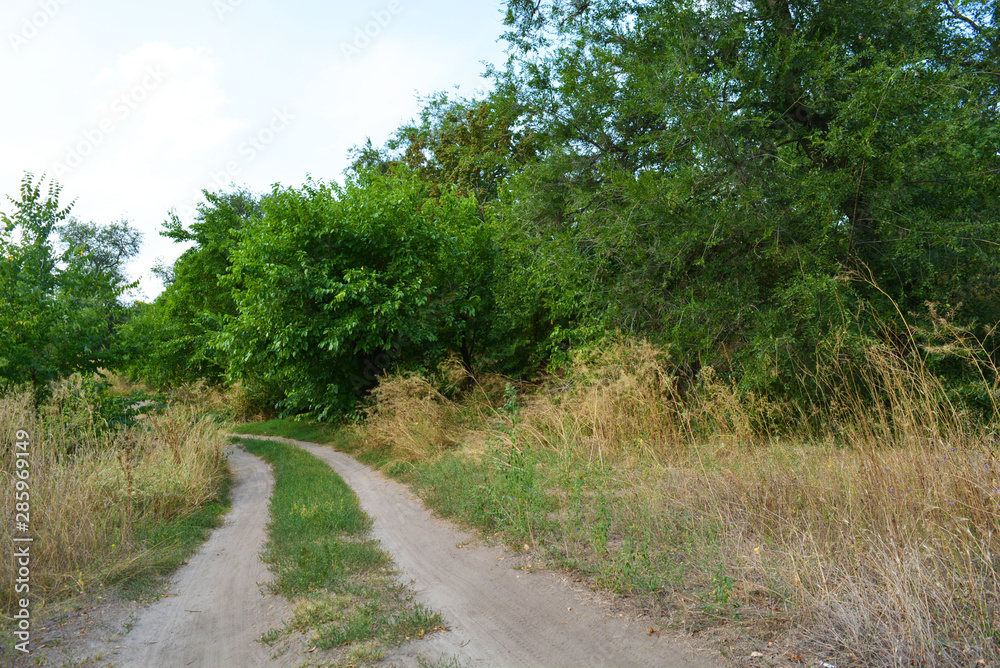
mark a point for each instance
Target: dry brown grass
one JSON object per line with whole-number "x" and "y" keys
{"x": 873, "y": 525}
{"x": 91, "y": 488}
{"x": 410, "y": 418}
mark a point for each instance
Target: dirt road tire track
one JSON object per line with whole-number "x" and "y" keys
{"x": 216, "y": 610}
{"x": 497, "y": 616}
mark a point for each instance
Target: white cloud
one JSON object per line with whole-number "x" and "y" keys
{"x": 178, "y": 100}
{"x": 153, "y": 122}
{"x": 221, "y": 82}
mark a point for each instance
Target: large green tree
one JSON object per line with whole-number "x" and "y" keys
{"x": 60, "y": 304}
{"x": 472, "y": 147}
{"x": 334, "y": 284}
{"x": 714, "y": 172}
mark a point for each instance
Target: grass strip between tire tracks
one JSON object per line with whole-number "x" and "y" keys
{"x": 340, "y": 582}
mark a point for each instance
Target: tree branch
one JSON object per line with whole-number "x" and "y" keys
{"x": 961, "y": 17}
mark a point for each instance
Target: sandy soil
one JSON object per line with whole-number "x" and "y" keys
{"x": 497, "y": 615}
{"x": 217, "y": 610}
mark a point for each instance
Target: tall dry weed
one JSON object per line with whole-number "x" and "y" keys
{"x": 92, "y": 488}
{"x": 870, "y": 518}
{"x": 410, "y": 419}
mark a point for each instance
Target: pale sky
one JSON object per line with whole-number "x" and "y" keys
{"x": 136, "y": 107}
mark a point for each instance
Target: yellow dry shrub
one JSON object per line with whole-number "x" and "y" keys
{"x": 410, "y": 419}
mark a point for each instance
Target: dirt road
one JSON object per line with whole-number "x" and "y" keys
{"x": 497, "y": 616}
{"x": 216, "y": 610}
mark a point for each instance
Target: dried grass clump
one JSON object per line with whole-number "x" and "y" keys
{"x": 92, "y": 488}
{"x": 626, "y": 399}
{"x": 410, "y": 419}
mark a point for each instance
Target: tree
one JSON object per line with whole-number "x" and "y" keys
{"x": 334, "y": 284}
{"x": 472, "y": 147}
{"x": 59, "y": 311}
{"x": 95, "y": 257}
{"x": 174, "y": 340}
{"x": 712, "y": 171}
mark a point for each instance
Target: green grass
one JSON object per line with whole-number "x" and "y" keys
{"x": 341, "y": 583}
{"x": 576, "y": 513}
{"x": 324, "y": 434}
{"x": 571, "y": 512}
{"x": 299, "y": 430}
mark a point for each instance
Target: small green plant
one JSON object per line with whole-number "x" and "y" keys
{"x": 721, "y": 600}
{"x": 511, "y": 405}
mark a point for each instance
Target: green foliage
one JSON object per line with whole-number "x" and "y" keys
{"x": 174, "y": 339}
{"x": 60, "y": 310}
{"x": 707, "y": 166}
{"x": 470, "y": 145}
{"x": 722, "y": 601}
{"x": 473, "y": 147}
{"x": 91, "y": 407}
{"x": 760, "y": 187}
{"x": 334, "y": 284}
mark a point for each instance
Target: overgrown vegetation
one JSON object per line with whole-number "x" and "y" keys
{"x": 61, "y": 302}
{"x": 117, "y": 497}
{"x": 760, "y": 187}
{"x": 873, "y": 530}
{"x": 787, "y": 211}
{"x": 340, "y": 581}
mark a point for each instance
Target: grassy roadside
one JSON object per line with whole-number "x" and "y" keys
{"x": 324, "y": 433}
{"x": 115, "y": 501}
{"x": 859, "y": 534}
{"x": 171, "y": 543}
{"x": 299, "y": 430}
{"x": 340, "y": 582}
